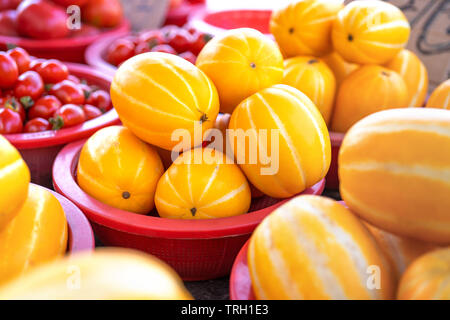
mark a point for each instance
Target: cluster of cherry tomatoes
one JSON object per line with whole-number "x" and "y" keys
{"x": 39, "y": 95}
{"x": 185, "y": 42}
{"x": 47, "y": 19}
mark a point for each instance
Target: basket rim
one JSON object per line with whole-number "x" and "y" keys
{"x": 65, "y": 183}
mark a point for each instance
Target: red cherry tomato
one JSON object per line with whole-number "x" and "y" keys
{"x": 66, "y": 3}
{"x": 91, "y": 112}
{"x": 22, "y": 59}
{"x": 67, "y": 116}
{"x": 36, "y": 64}
{"x": 8, "y": 23}
{"x": 41, "y": 19}
{"x": 37, "y": 125}
{"x": 181, "y": 40}
{"x": 14, "y": 105}
{"x": 142, "y": 47}
{"x": 119, "y": 51}
{"x": 199, "y": 42}
{"x": 100, "y": 99}
{"x": 8, "y": 71}
{"x": 9, "y": 4}
{"x": 73, "y": 78}
{"x": 164, "y": 48}
{"x": 68, "y": 92}
{"x": 10, "y": 121}
{"x": 85, "y": 31}
{"x": 53, "y": 71}
{"x": 152, "y": 38}
{"x": 166, "y": 31}
{"x": 44, "y": 107}
{"x": 102, "y": 13}
{"x": 189, "y": 56}
{"x": 29, "y": 84}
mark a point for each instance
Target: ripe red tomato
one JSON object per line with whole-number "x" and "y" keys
{"x": 152, "y": 38}
{"x": 200, "y": 39}
{"x": 142, "y": 47}
{"x": 41, "y": 19}
{"x": 189, "y": 56}
{"x": 9, "y": 4}
{"x": 119, "y": 51}
{"x": 91, "y": 112}
{"x": 68, "y": 92}
{"x": 85, "y": 31}
{"x": 8, "y": 71}
{"x": 100, "y": 99}
{"x": 73, "y": 78}
{"x": 10, "y": 121}
{"x": 29, "y": 84}
{"x": 36, "y": 64}
{"x": 66, "y": 3}
{"x": 44, "y": 107}
{"x": 102, "y": 13}
{"x": 14, "y": 105}
{"x": 67, "y": 116}
{"x": 37, "y": 125}
{"x": 53, "y": 71}
{"x": 164, "y": 48}
{"x": 8, "y": 23}
{"x": 22, "y": 59}
{"x": 180, "y": 40}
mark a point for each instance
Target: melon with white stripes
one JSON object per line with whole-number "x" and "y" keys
{"x": 314, "y": 78}
{"x": 413, "y": 71}
{"x": 156, "y": 94}
{"x": 314, "y": 248}
{"x": 280, "y": 141}
{"x": 440, "y": 97}
{"x": 202, "y": 183}
{"x": 401, "y": 251}
{"x": 367, "y": 90}
{"x": 370, "y": 32}
{"x": 427, "y": 278}
{"x": 341, "y": 68}
{"x": 394, "y": 172}
{"x": 14, "y": 180}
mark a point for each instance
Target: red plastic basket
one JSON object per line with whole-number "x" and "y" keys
{"x": 81, "y": 236}
{"x": 220, "y": 21}
{"x": 65, "y": 49}
{"x": 332, "y": 178}
{"x": 39, "y": 149}
{"x": 197, "y": 250}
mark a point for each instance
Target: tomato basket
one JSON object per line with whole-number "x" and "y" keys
{"x": 95, "y": 55}
{"x": 196, "y": 249}
{"x": 240, "y": 281}
{"x": 39, "y": 149}
{"x": 81, "y": 236}
{"x": 220, "y": 21}
{"x": 332, "y": 178}
{"x": 65, "y": 49}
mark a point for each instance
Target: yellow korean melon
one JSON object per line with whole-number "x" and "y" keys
{"x": 440, "y": 98}
{"x": 341, "y": 68}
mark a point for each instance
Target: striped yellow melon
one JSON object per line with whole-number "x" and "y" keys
{"x": 156, "y": 94}
{"x": 304, "y": 27}
{"x": 413, "y": 71}
{"x": 315, "y": 79}
{"x": 370, "y": 32}
{"x": 394, "y": 171}
{"x": 341, "y": 68}
{"x": 280, "y": 141}
{"x": 14, "y": 180}
{"x": 440, "y": 98}
{"x": 106, "y": 274}
{"x": 365, "y": 91}
{"x": 427, "y": 278}
{"x": 400, "y": 251}
{"x": 314, "y": 248}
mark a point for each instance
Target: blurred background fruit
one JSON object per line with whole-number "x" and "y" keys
{"x": 440, "y": 97}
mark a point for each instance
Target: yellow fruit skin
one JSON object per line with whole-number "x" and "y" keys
{"x": 201, "y": 184}
{"x": 400, "y": 251}
{"x": 427, "y": 278}
{"x": 14, "y": 180}
{"x": 304, "y": 151}
{"x": 118, "y": 169}
{"x": 37, "y": 234}
{"x": 157, "y": 93}
{"x": 304, "y": 27}
{"x": 314, "y": 248}
{"x": 240, "y": 62}
{"x": 394, "y": 172}
{"x": 370, "y": 32}
{"x": 106, "y": 274}
{"x": 315, "y": 79}
{"x": 440, "y": 98}
{"x": 415, "y": 75}
{"x": 341, "y": 68}
{"x": 365, "y": 91}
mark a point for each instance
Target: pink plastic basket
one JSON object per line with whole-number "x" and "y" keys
{"x": 197, "y": 250}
